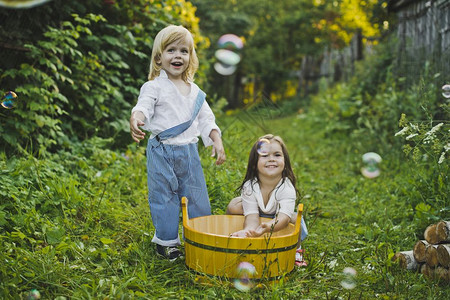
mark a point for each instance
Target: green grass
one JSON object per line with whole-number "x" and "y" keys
{"x": 77, "y": 225}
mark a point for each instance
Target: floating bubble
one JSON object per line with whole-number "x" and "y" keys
{"x": 446, "y": 91}
{"x": 230, "y": 41}
{"x": 349, "y": 278}
{"x": 263, "y": 146}
{"x": 228, "y": 57}
{"x": 371, "y": 157}
{"x": 21, "y": 3}
{"x": 370, "y": 172}
{"x": 370, "y": 168}
{"x": 34, "y": 294}
{"x": 224, "y": 69}
{"x": 9, "y": 100}
{"x": 245, "y": 272}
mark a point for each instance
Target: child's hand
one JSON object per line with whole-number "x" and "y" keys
{"x": 241, "y": 233}
{"x": 217, "y": 148}
{"x": 136, "y": 120}
{"x": 260, "y": 230}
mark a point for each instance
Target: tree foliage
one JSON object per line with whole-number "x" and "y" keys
{"x": 78, "y": 70}
{"x": 77, "y": 66}
{"x": 278, "y": 34}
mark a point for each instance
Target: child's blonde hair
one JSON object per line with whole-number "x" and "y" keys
{"x": 165, "y": 37}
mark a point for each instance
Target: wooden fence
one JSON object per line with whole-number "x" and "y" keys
{"x": 422, "y": 30}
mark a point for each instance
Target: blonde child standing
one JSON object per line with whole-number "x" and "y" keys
{"x": 173, "y": 108}
{"x": 268, "y": 190}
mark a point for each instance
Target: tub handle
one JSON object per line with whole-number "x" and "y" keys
{"x": 298, "y": 223}
{"x": 184, "y": 202}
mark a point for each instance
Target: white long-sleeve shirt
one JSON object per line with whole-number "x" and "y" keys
{"x": 164, "y": 107}
{"x": 282, "y": 199}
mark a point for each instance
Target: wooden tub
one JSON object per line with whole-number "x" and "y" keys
{"x": 210, "y": 250}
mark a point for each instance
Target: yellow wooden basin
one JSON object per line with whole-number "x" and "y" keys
{"x": 210, "y": 250}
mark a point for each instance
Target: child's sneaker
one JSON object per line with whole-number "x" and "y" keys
{"x": 171, "y": 253}
{"x": 299, "y": 261}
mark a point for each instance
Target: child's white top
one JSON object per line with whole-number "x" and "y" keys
{"x": 164, "y": 107}
{"x": 282, "y": 199}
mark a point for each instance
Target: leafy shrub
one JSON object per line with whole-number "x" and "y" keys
{"x": 81, "y": 78}
{"x": 427, "y": 145}
{"x": 367, "y": 108}
{"x": 71, "y": 90}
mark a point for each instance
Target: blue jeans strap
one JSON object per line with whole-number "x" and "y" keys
{"x": 155, "y": 141}
{"x": 180, "y": 128}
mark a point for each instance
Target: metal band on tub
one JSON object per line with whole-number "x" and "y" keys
{"x": 239, "y": 251}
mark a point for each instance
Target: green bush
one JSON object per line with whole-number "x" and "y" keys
{"x": 82, "y": 76}
{"x": 368, "y": 107}
{"x": 428, "y": 148}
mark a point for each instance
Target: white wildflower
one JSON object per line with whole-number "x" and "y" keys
{"x": 414, "y": 127}
{"x": 369, "y": 267}
{"x": 441, "y": 158}
{"x": 411, "y": 136}
{"x": 402, "y": 132}
{"x": 434, "y": 129}
{"x": 429, "y": 136}
{"x": 332, "y": 264}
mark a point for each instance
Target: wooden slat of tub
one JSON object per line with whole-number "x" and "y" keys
{"x": 226, "y": 224}
{"x": 226, "y": 242}
{"x": 224, "y": 264}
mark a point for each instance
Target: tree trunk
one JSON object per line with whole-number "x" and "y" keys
{"x": 442, "y": 274}
{"x": 359, "y": 45}
{"x": 406, "y": 260}
{"x": 301, "y": 87}
{"x": 443, "y": 255}
{"x": 430, "y": 234}
{"x": 431, "y": 256}
{"x": 419, "y": 250}
{"x": 427, "y": 271}
{"x": 443, "y": 231}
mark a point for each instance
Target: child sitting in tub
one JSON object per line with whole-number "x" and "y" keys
{"x": 268, "y": 190}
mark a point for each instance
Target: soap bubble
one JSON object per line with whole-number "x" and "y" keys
{"x": 34, "y": 294}
{"x": 349, "y": 278}
{"x": 228, "y": 57}
{"x": 224, "y": 69}
{"x": 228, "y": 54}
{"x": 9, "y": 100}
{"x": 245, "y": 272}
{"x": 21, "y": 4}
{"x": 263, "y": 147}
{"x": 370, "y": 168}
{"x": 230, "y": 41}
{"x": 446, "y": 91}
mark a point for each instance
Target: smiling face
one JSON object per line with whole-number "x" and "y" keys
{"x": 271, "y": 162}
{"x": 175, "y": 59}
{"x": 173, "y": 35}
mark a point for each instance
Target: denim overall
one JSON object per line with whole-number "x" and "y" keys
{"x": 175, "y": 171}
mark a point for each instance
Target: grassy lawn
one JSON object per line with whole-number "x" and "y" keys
{"x": 77, "y": 225}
